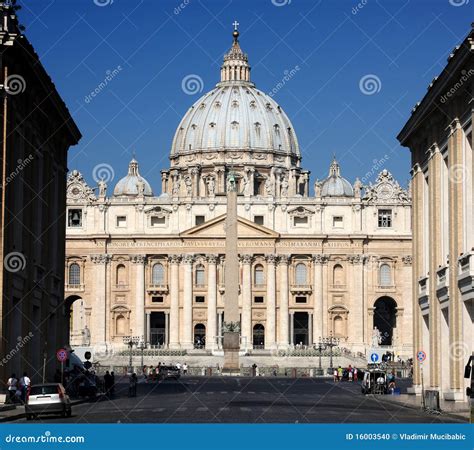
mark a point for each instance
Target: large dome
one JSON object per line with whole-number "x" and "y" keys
{"x": 235, "y": 115}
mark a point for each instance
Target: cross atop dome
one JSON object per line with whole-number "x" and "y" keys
{"x": 236, "y": 66}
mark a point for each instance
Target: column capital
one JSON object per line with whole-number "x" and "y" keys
{"x": 188, "y": 259}
{"x": 357, "y": 259}
{"x": 138, "y": 259}
{"x": 320, "y": 258}
{"x": 246, "y": 259}
{"x": 271, "y": 259}
{"x": 174, "y": 259}
{"x": 103, "y": 258}
{"x": 284, "y": 259}
{"x": 212, "y": 259}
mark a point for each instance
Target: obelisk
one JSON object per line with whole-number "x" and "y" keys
{"x": 231, "y": 326}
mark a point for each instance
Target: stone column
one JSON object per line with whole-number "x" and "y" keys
{"x": 211, "y": 329}
{"x": 174, "y": 301}
{"x": 148, "y": 327}
{"x": 310, "y": 329}
{"x": 247, "y": 299}
{"x": 318, "y": 313}
{"x": 292, "y": 328}
{"x": 356, "y": 324}
{"x": 220, "y": 318}
{"x": 283, "y": 335}
{"x": 139, "y": 262}
{"x": 167, "y": 330}
{"x": 270, "y": 328}
{"x": 100, "y": 334}
{"x": 187, "y": 332}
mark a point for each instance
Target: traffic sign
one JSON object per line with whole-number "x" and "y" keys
{"x": 374, "y": 357}
{"x": 61, "y": 355}
{"x": 421, "y": 356}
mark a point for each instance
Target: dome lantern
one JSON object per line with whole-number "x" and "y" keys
{"x": 236, "y": 66}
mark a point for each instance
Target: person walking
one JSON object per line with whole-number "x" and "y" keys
{"x": 339, "y": 373}
{"x": 25, "y": 384}
{"x": 107, "y": 383}
{"x": 185, "y": 369}
{"x": 12, "y": 384}
{"x": 132, "y": 385}
{"x": 350, "y": 374}
{"x": 334, "y": 374}
{"x": 355, "y": 373}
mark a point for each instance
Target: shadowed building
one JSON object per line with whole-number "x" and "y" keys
{"x": 439, "y": 136}
{"x": 338, "y": 261}
{"x": 37, "y": 131}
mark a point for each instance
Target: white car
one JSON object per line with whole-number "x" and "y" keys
{"x": 50, "y": 398}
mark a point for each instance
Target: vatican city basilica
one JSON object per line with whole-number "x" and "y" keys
{"x": 318, "y": 259}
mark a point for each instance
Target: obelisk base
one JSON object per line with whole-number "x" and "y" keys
{"x": 231, "y": 353}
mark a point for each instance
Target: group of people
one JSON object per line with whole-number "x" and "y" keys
{"x": 109, "y": 383}
{"x": 18, "y": 388}
{"x": 351, "y": 373}
{"x": 152, "y": 373}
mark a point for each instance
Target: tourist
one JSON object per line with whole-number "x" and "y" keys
{"x": 339, "y": 373}
{"x": 107, "y": 382}
{"x": 350, "y": 374}
{"x": 254, "y": 369}
{"x": 25, "y": 384}
{"x": 355, "y": 373}
{"x": 150, "y": 373}
{"x": 185, "y": 369}
{"x": 335, "y": 375}
{"x": 132, "y": 385}
{"x": 12, "y": 384}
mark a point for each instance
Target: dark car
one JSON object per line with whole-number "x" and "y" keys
{"x": 169, "y": 372}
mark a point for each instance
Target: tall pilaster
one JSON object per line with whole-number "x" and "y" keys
{"x": 318, "y": 313}
{"x": 101, "y": 262}
{"x": 247, "y": 299}
{"x": 211, "y": 329}
{"x": 270, "y": 329}
{"x": 139, "y": 261}
{"x": 283, "y": 262}
{"x": 187, "y": 331}
{"x": 174, "y": 301}
{"x": 356, "y": 317}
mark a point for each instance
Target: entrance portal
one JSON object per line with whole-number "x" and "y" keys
{"x": 385, "y": 318}
{"x": 301, "y": 331}
{"x": 199, "y": 336}
{"x": 157, "y": 329}
{"x": 258, "y": 337}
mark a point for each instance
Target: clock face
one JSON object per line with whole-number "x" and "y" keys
{"x": 385, "y": 191}
{"x": 75, "y": 191}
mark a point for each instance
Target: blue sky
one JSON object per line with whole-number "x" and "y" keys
{"x": 397, "y": 46}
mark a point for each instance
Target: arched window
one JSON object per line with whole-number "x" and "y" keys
{"x": 121, "y": 275}
{"x": 385, "y": 275}
{"x": 259, "y": 278}
{"x": 74, "y": 274}
{"x": 200, "y": 273}
{"x": 300, "y": 274}
{"x": 158, "y": 274}
{"x": 120, "y": 325}
{"x": 338, "y": 275}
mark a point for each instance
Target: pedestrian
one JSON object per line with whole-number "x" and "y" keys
{"x": 254, "y": 369}
{"x": 335, "y": 375}
{"x": 355, "y": 373}
{"x": 339, "y": 373}
{"x": 350, "y": 374}
{"x": 185, "y": 369}
{"x": 107, "y": 383}
{"x": 25, "y": 384}
{"x": 12, "y": 384}
{"x": 112, "y": 383}
{"x": 178, "y": 366}
{"x": 132, "y": 385}
{"x": 150, "y": 373}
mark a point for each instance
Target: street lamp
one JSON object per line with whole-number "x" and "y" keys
{"x": 141, "y": 346}
{"x": 330, "y": 342}
{"x": 131, "y": 341}
{"x": 320, "y": 346}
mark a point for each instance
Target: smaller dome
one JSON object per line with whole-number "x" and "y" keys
{"x": 133, "y": 184}
{"x": 335, "y": 185}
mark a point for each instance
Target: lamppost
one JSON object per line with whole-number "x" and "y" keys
{"x": 320, "y": 346}
{"x": 141, "y": 346}
{"x": 330, "y": 342}
{"x": 131, "y": 341}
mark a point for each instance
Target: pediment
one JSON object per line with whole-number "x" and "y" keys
{"x": 215, "y": 228}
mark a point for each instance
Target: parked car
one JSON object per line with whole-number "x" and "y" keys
{"x": 169, "y": 372}
{"x": 50, "y": 398}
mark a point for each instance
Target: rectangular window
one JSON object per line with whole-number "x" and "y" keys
{"x": 385, "y": 218}
{"x": 299, "y": 221}
{"x": 200, "y": 299}
{"x": 258, "y": 220}
{"x": 337, "y": 221}
{"x": 74, "y": 218}
{"x": 198, "y": 220}
{"x": 258, "y": 299}
{"x": 121, "y": 221}
{"x": 157, "y": 299}
{"x": 156, "y": 221}
{"x": 300, "y": 300}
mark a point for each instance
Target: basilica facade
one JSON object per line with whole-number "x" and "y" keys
{"x": 329, "y": 259}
